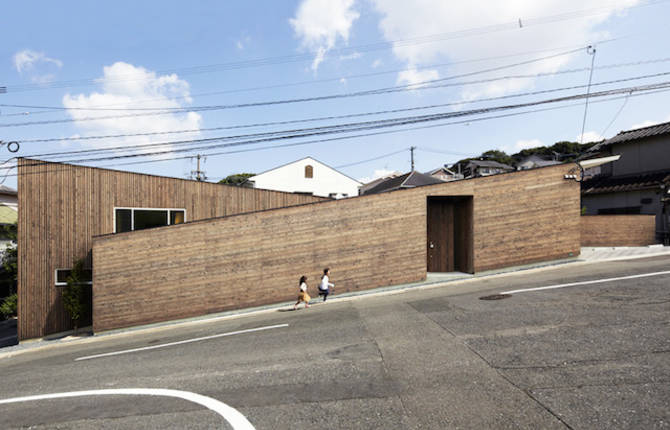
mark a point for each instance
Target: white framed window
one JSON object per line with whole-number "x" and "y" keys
{"x": 61, "y": 276}
{"x": 129, "y": 219}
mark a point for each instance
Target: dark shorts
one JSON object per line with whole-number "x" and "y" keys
{"x": 324, "y": 292}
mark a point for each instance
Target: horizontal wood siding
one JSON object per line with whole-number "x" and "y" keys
{"x": 61, "y": 208}
{"x": 618, "y": 230}
{"x": 371, "y": 241}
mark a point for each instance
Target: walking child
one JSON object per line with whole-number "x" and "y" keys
{"x": 303, "y": 296}
{"x": 325, "y": 286}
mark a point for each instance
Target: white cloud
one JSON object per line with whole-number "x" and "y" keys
{"x": 648, "y": 123}
{"x": 128, "y": 86}
{"x": 320, "y": 23}
{"x": 378, "y": 173}
{"x": 589, "y": 136}
{"x": 526, "y": 144}
{"x": 242, "y": 43}
{"x": 414, "y": 77}
{"x": 403, "y": 19}
{"x": 352, "y": 56}
{"x": 376, "y": 63}
{"x": 36, "y": 65}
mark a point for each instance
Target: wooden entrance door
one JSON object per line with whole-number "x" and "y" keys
{"x": 440, "y": 237}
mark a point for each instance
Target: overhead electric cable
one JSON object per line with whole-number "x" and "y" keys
{"x": 289, "y": 101}
{"x": 507, "y": 26}
{"x": 38, "y": 162}
{"x": 370, "y": 125}
{"x": 114, "y": 148}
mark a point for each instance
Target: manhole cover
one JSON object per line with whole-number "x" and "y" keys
{"x": 495, "y": 297}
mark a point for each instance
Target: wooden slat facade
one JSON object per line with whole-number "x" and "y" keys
{"x": 370, "y": 241}
{"x": 618, "y": 230}
{"x": 61, "y": 208}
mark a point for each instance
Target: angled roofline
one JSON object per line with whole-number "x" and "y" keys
{"x": 39, "y": 162}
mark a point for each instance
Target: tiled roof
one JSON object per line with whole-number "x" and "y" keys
{"x": 490, "y": 163}
{"x": 408, "y": 180}
{"x": 7, "y": 191}
{"x": 612, "y": 184}
{"x": 638, "y": 133}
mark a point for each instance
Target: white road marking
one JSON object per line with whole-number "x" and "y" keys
{"x": 596, "y": 281}
{"x": 234, "y": 418}
{"x": 181, "y": 342}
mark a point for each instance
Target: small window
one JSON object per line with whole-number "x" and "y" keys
{"x": 124, "y": 220}
{"x": 148, "y": 219}
{"x": 176, "y": 217}
{"x": 309, "y": 171}
{"x": 129, "y": 219}
{"x": 63, "y": 274}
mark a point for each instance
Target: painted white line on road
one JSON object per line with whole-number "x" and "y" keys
{"x": 234, "y": 418}
{"x": 596, "y": 281}
{"x": 181, "y": 342}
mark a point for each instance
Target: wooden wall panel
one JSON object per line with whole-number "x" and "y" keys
{"x": 369, "y": 241}
{"x": 61, "y": 208}
{"x": 618, "y": 230}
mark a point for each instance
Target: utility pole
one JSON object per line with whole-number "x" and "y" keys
{"x": 411, "y": 150}
{"x": 199, "y": 174}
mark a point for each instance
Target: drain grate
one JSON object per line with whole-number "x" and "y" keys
{"x": 495, "y": 297}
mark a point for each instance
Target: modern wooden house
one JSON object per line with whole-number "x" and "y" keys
{"x": 231, "y": 238}
{"x": 368, "y": 241}
{"x": 62, "y": 207}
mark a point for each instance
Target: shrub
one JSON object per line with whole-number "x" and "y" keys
{"x": 8, "y": 306}
{"x": 74, "y": 295}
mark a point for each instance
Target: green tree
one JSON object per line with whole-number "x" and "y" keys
{"x": 499, "y": 156}
{"x": 9, "y": 267}
{"x": 236, "y": 179}
{"x": 75, "y": 299}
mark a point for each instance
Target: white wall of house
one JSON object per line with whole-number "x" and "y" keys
{"x": 10, "y": 200}
{"x": 292, "y": 177}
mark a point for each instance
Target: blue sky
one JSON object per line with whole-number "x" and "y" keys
{"x": 77, "y": 58}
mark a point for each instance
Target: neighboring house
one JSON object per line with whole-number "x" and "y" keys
{"x": 8, "y": 212}
{"x": 307, "y": 176}
{"x": 9, "y": 197}
{"x": 408, "y": 180}
{"x": 444, "y": 174}
{"x": 366, "y": 186}
{"x": 477, "y": 168}
{"x": 534, "y": 161}
{"x": 638, "y": 183}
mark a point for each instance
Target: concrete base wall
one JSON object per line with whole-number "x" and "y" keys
{"x": 618, "y": 230}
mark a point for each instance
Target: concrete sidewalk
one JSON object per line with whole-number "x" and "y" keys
{"x": 589, "y": 255}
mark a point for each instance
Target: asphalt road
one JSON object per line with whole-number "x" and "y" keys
{"x": 586, "y": 356}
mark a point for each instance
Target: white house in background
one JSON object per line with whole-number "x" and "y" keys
{"x": 9, "y": 197}
{"x": 306, "y": 176}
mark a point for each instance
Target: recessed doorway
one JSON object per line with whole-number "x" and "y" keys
{"x": 450, "y": 234}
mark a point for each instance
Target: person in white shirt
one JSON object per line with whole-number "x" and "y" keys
{"x": 325, "y": 287}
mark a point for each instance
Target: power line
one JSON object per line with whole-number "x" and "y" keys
{"x": 592, "y": 52}
{"x": 377, "y": 91}
{"x": 507, "y": 26}
{"x": 371, "y": 125}
{"x": 467, "y": 121}
{"x": 342, "y": 166}
{"x": 285, "y": 132}
{"x": 58, "y": 109}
